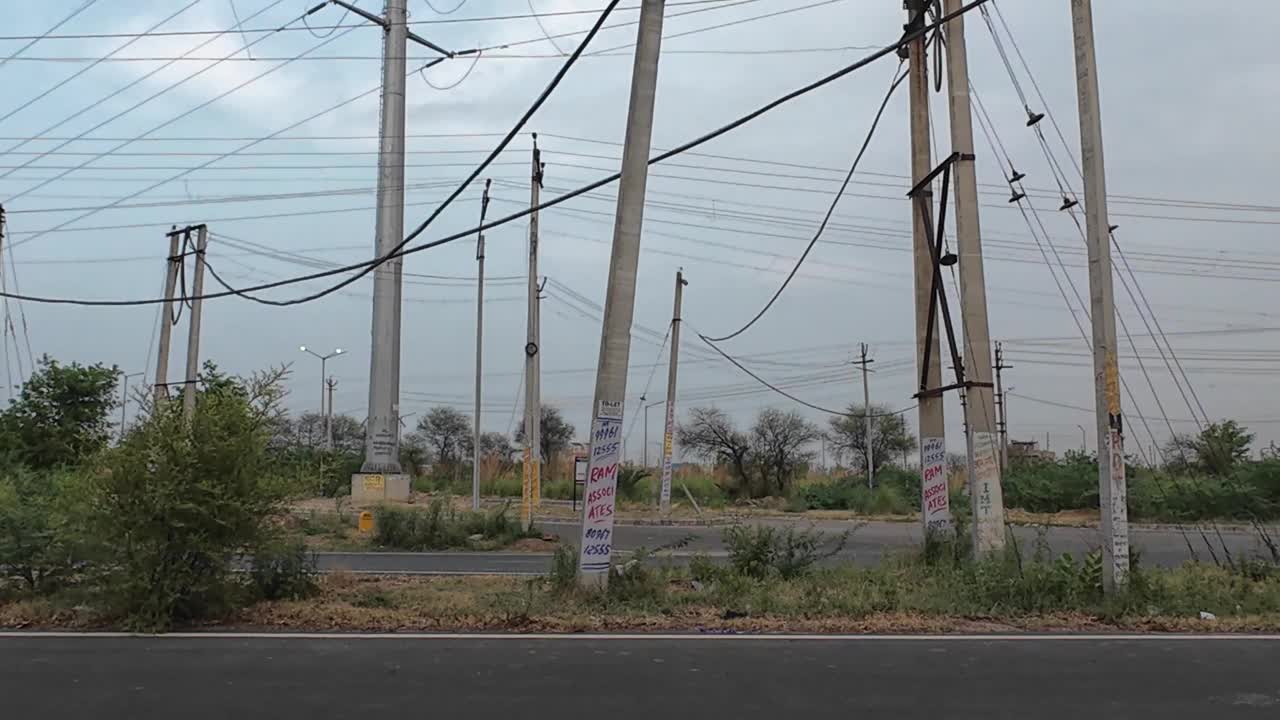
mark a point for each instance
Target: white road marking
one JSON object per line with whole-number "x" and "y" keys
{"x": 666, "y": 637}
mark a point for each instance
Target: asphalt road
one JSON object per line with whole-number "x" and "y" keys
{"x": 867, "y": 545}
{"x": 629, "y": 678}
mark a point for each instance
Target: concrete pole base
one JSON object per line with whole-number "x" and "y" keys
{"x": 374, "y": 487}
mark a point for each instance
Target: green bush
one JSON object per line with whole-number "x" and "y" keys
{"x": 37, "y": 529}
{"x": 439, "y": 528}
{"x": 178, "y": 500}
{"x": 853, "y": 494}
{"x": 283, "y": 571}
{"x": 759, "y": 551}
{"x": 1049, "y": 486}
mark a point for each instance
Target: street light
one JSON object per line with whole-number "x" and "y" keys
{"x": 646, "y": 428}
{"x": 328, "y": 437}
{"x": 1084, "y": 442}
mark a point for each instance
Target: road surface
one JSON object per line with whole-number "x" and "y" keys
{"x": 867, "y": 545}
{"x": 636, "y": 678}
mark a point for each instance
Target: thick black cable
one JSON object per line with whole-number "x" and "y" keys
{"x": 401, "y": 250}
{"x": 397, "y": 251}
{"x": 899, "y": 76}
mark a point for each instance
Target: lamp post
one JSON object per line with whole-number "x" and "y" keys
{"x": 124, "y": 399}
{"x": 1084, "y": 440}
{"x": 646, "y": 429}
{"x": 324, "y": 359}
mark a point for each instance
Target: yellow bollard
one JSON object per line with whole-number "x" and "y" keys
{"x": 366, "y": 522}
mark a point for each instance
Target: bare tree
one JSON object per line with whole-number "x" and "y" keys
{"x": 445, "y": 429}
{"x": 492, "y": 445}
{"x": 556, "y": 434}
{"x": 781, "y": 445}
{"x": 890, "y": 435}
{"x": 710, "y": 435}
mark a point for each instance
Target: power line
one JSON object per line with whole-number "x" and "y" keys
{"x": 899, "y": 76}
{"x": 401, "y": 249}
{"x": 48, "y": 33}
{"x": 338, "y": 26}
{"x": 118, "y": 91}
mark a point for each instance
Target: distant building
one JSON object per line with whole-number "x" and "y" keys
{"x": 1029, "y": 450}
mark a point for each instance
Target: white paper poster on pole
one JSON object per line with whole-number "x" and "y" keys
{"x": 600, "y": 491}
{"x": 1119, "y": 509}
{"x": 664, "y": 502}
{"x": 933, "y": 484}
{"x": 988, "y": 504}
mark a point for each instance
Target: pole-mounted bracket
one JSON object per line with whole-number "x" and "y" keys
{"x": 921, "y": 194}
{"x": 382, "y": 22}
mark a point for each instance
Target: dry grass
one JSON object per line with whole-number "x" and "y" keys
{"x": 349, "y": 602}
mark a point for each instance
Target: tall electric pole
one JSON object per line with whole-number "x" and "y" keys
{"x": 161, "y": 386}
{"x": 475, "y": 438}
{"x": 531, "y": 489}
{"x": 933, "y": 444}
{"x": 864, "y": 362}
{"x": 1106, "y": 373}
{"x": 619, "y": 308}
{"x": 668, "y": 437}
{"x": 382, "y": 431}
{"x": 193, "y": 323}
{"x": 1002, "y": 401}
{"x": 980, "y": 414}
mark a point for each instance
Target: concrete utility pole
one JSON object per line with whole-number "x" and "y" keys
{"x": 193, "y": 324}
{"x": 980, "y": 415}
{"x": 332, "y": 385}
{"x": 161, "y": 387}
{"x": 1002, "y": 401}
{"x": 380, "y": 475}
{"x": 619, "y": 308}
{"x": 668, "y": 437}
{"x": 864, "y": 361}
{"x": 531, "y": 488}
{"x": 933, "y": 444}
{"x": 475, "y": 439}
{"x": 1106, "y": 373}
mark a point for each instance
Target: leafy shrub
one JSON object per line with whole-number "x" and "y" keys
{"x": 853, "y": 494}
{"x": 36, "y": 530}
{"x": 564, "y": 569}
{"x": 283, "y": 571}
{"x": 759, "y": 551}
{"x": 438, "y": 528}
{"x": 178, "y": 500}
{"x": 1053, "y": 486}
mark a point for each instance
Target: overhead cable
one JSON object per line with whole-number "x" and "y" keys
{"x": 401, "y": 249}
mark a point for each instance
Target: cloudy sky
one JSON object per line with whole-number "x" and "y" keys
{"x": 1189, "y": 126}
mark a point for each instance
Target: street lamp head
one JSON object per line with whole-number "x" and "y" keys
{"x": 338, "y": 351}
{"x": 302, "y": 348}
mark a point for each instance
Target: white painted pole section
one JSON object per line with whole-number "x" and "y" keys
{"x": 382, "y": 431}
{"x": 980, "y": 409}
{"x": 933, "y": 443}
{"x": 619, "y": 308}
{"x": 668, "y": 437}
{"x": 1106, "y": 375}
